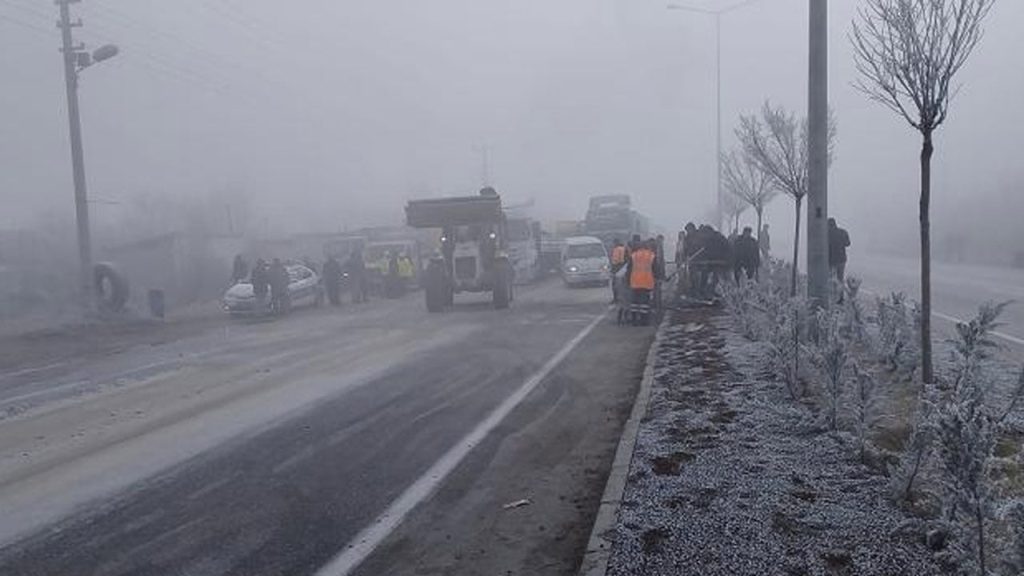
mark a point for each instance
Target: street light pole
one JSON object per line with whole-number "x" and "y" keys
{"x": 719, "y": 210}
{"x": 818, "y": 280}
{"x": 718, "y": 118}
{"x": 71, "y": 56}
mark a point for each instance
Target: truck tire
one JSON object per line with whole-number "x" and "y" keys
{"x": 110, "y": 286}
{"x": 436, "y": 288}
{"x": 502, "y": 285}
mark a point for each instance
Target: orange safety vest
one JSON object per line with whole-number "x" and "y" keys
{"x": 642, "y": 273}
{"x": 619, "y": 255}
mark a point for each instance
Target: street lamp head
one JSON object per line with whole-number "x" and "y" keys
{"x": 105, "y": 52}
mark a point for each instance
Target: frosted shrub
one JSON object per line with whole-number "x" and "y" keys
{"x": 897, "y": 334}
{"x": 747, "y": 314}
{"x": 866, "y": 407}
{"x": 917, "y": 450}
{"x": 854, "y": 323}
{"x": 967, "y": 432}
{"x": 783, "y": 340}
{"x": 830, "y": 354}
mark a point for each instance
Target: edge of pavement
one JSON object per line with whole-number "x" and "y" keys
{"x": 599, "y": 548}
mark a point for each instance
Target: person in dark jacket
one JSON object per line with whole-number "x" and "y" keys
{"x": 260, "y": 280}
{"x": 239, "y": 269}
{"x": 838, "y": 242}
{"x": 332, "y": 280}
{"x": 357, "y": 275}
{"x": 279, "y": 298}
{"x": 746, "y": 255}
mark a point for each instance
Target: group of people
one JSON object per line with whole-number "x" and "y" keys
{"x": 267, "y": 279}
{"x": 705, "y": 257}
{"x": 335, "y": 274}
{"x": 396, "y": 271}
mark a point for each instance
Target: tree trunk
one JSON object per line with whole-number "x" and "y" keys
{"x": 760, "y": 216}
{"x": 796, "y": 247}
{"x": 927, "y": 374}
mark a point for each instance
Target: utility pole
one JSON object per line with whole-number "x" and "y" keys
{"x": 72, "y": 58}
{"x": 718, "y": 120}
{"x": 818, "y": 281}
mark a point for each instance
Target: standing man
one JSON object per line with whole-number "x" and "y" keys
{"x": 279, "y": 286}
{"x": 764, "y": 240}
{"x": 260, "y": 280}
{"x": 838, "y": 242}
{"x": 618, "y": 260}
{"x": 332, "y": 280}
{"x": 746, "y": 255}
{"x": 239, "y": 269}
{"x": 357, "y": 273}
{"x": 642, "y": 272}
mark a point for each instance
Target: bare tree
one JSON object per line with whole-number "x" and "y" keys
{"x": 743, "y": 179}
{"x": 733, "y": 207}
{"x": 908, "y": 52}
{"x": 777, "y": 144}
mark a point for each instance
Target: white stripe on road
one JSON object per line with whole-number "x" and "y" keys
{"x": 995, "y": 333}
{"x": 955, "y": 320}
{"x": 371, "y": 537}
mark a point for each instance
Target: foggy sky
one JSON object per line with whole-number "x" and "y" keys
{"x": 329, "y": 114}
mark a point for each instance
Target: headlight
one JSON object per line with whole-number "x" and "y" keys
{"x": 604, "y": 268}
{"x": 493, "y": 236}
{"x": 574, "y": 269}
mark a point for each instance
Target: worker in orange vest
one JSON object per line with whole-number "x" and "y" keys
{"x": 619, "y": 257}
{"x": 643, "y": 271}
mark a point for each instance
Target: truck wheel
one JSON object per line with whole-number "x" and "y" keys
{"x": 502, "y": 286}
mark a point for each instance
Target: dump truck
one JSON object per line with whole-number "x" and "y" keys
{"x": 473, "y": 253}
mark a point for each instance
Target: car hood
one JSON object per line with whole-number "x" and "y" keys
{"x": 239, "y": 291}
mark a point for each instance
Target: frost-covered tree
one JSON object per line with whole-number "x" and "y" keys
{"x": 742, "y": 178}
{"x": 777, "y": 145}
{"x": 830, "y": 353}
{"x": 908, "y": 52}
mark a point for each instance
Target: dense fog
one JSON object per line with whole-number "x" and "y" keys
{"x": 322, "y": 116}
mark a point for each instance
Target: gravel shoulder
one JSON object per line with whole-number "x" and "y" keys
{"x": 730, "y": 477}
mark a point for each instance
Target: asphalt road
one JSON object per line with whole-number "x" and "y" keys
{"x": 957, "y": 291}
{"x": 371, "y": 440}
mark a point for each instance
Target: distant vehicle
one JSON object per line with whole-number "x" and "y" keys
{"x": 523, "y": 238}
{"x": 304, "y": 288}
{"x": 585, "y": 262}
{"x": 610, "y": 217}
{"x": 473, "y": 255}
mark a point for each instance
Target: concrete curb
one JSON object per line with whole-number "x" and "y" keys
{"x": 599, "y": 547}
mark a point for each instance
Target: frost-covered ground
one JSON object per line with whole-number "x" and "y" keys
{"x": 730, "y": 476}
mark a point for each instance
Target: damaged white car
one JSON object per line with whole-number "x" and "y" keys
{"x": 304, "y": 288}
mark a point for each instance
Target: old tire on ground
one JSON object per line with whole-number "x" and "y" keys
{"x": 110, "y": 286}
{"x": 502, "y": 285}
{"x": 435, "y": 288}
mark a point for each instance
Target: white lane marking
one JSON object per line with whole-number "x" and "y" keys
{"x": 995, "y": 333}
{"x": 357, "y": 550}
{"x": 955, "y": 320}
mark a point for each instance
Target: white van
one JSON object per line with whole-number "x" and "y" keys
{"x": 585, "y": 261}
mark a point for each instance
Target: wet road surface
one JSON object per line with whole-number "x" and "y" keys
{"x": 266, "y": 448}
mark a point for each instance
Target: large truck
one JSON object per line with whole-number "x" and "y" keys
{"x": 474, "y": 242}
{"x": 612, "y": 216}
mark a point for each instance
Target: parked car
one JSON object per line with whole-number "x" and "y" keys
{"x": 585, "y": 262}
{"x": 304, "y": 288}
